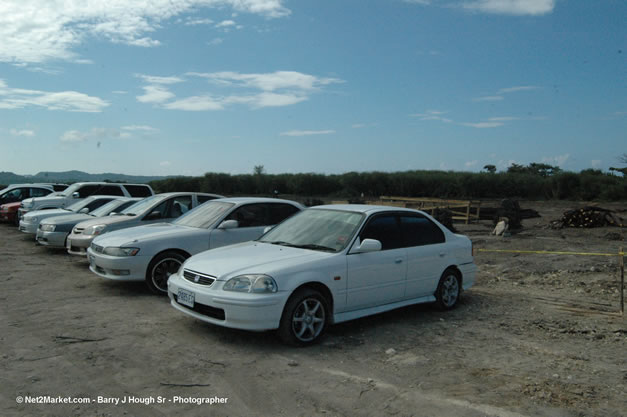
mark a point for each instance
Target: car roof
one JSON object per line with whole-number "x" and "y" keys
{"x": 364, "y": 208}
{"x": 241, "y": 200}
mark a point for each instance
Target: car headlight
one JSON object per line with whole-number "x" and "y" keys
{"x": 256, "y": 283}
{"x": 94, "y": 230}
{"x": 111, "y": 251}
{"x": 30, "y": 219}
{"x": 47, "y": 227}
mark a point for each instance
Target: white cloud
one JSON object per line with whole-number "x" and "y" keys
{"x": 23, "y": 132}
{"x": 43, "y": 30}
{"x": 19, "y": 98}
{"x": 307, "y": 132}
{"x": 278, "y": 89}
{"x": 517, "y": 88}
{"x": 488, "y": 98}
{"x": 470, "y": 164}
{"x": 73, "y": 136}
{"x": 140, "y": 128}
{"x": 511, "y": 7}
{"x": 558, "y": 160}
{"x": 154, "y": 79}
{"x": 101, "y": 133}
{"x": 155, "y": 94}
{"x": 195, "y": 22}
{"x": 165, "y": 163}
{"x": 225, "y": 24}
{"x": 483, "y": 125}
{"x": 595, "y": 163}
{"x": 503, "y": 119}
{"x": 432, "y": 115}
{"x": 215, "y": 41}
{"x": 119, "y": 92}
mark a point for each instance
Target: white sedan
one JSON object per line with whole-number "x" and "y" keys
{"x": 154, "y": 252}
{"x": 325, "y": 265}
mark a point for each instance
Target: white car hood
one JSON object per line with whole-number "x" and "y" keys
{"x": 36, "y": 201}
{"x": 139, "y": 234}
{"x": 107, "y": 220}
{"x": 250, "y": 257}
{"x": 47, "y": 213}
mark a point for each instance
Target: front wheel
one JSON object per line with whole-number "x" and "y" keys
{"x": 160, "y": 269}
{"x": 304, "y": 318}
{"x": 449, "y": 290}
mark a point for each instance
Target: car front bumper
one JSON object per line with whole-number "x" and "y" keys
{"x": 119, "y": 268}
{"x": 256, "y": 312}
{"x": 77, "y": 244}
{"x": 53, "y": 239}
{"x": 27, "y": 227}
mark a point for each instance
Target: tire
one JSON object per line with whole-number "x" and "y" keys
{"x": 160, "y": 269}
{"x": 305, "y": 318}
{"x": 449, "y": 290}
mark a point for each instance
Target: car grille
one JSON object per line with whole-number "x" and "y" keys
{"x": 198, "y": 278}
{"x": 97, "y": 248}
{"x": 216, "y": 313}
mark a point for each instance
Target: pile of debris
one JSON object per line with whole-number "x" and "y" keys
{"x": 589, "y": 216}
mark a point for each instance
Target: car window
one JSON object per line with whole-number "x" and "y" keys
{"x": 180, "y": 206}
{"x": 162, "y": 209}
{"x": 110, "y": 190}
{"x": 138, "y": 190}
{"x": 277, "y": 212}
{"x": 204, "y": 198}
{"x": 204, "y": 216}
{"x": 97, "y": 203}
{"x": 87, "y": 190}
{"x": 418, "y": 230}
{"x": 385, "y": 229}
{"x": 39, "y": 192}
{"x": 17, "y": 194}
{"x": 250, "y": 215}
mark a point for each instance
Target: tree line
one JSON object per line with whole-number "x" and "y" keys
{"x": 533, "y": 181}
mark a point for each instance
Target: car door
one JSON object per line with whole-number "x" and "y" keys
{"x": 427, "y": 256}
{"x": 252, "y": 219}
{"x": 377, "y": 278}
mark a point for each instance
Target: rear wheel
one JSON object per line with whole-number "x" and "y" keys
{"x": 160, "y": 269}
{"x": 449, "y": 290}
{"x": 305, "y": 318}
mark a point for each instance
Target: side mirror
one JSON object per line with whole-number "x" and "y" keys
{"x": 113, "y": 213}
{"x": 267, "y": 229}
{"x": 75, "y": 194}
{"x": 368, "y": 245}
{"x": 84, "y": 210}
{"x": 229, "y": 224}
{"x": 155, "y": 215}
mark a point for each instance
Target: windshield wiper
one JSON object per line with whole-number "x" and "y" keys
{"x": 314, "y": 247}
{"x": 277, "y": 242}
{"x": 131, "y": 214}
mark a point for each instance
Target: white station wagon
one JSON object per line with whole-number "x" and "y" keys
{"x": 154, "y": 252}
{"x": 324, "y": 265}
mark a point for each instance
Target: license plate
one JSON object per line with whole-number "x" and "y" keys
{"x": 185, "y": 297}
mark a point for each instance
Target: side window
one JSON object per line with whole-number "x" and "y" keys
{"x": 110, "y": 190}
{"x": 204, "y": 198}
{"x": 97, "y": 203}
{"x": 250, "y": 215}
{"x": 17, "y": 194}
{"x": 385, "y": 229}
{"x": 138, "y": 190}
{"x": 180, "y": 206}
{"x": 418, "y": 231}
{"x": 124, "y": 205}
{"x": 279, "y": 212}
{"x": 161, "y": 209}
{"x": 87, "y": 190}
{"x": 39, "y": 192}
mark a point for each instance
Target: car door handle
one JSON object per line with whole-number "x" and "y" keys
{"x": 398, "y": 261}
{"x": 442, "y": 254}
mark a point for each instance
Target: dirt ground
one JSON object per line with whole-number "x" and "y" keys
{"x": 538, "y": 335}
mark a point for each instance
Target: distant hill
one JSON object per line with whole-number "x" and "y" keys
{"x": 74, "y": 176}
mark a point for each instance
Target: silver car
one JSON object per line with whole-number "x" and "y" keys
{"x": 156, "y": 209}
{"x": 53, "y": 231}
{"x": 152, "y": 253}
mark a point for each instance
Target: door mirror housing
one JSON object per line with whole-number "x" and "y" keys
{"x": 368, "y": 245}
{"x": 229, "y": 224}
{"x": 76, "y": 194}
{"x": 84, "y": 210}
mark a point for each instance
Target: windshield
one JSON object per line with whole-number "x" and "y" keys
{"x": 205, "y": 215}
{"x": 79, "y": 204}
{"x": 141, "y": 206}
{"x": 107, "y": 208}
{"x": 319, "y": 229}
{"x": 70, "y": 190}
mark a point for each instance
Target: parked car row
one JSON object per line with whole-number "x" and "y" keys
{"x": 263, "y": 263}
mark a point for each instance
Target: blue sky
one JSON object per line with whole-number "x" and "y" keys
{"x": 167, "y": 87}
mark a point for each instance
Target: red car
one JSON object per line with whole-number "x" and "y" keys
{"x": 8, "y": 212}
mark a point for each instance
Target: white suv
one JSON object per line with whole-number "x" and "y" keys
{"x": 81, "y": 190}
